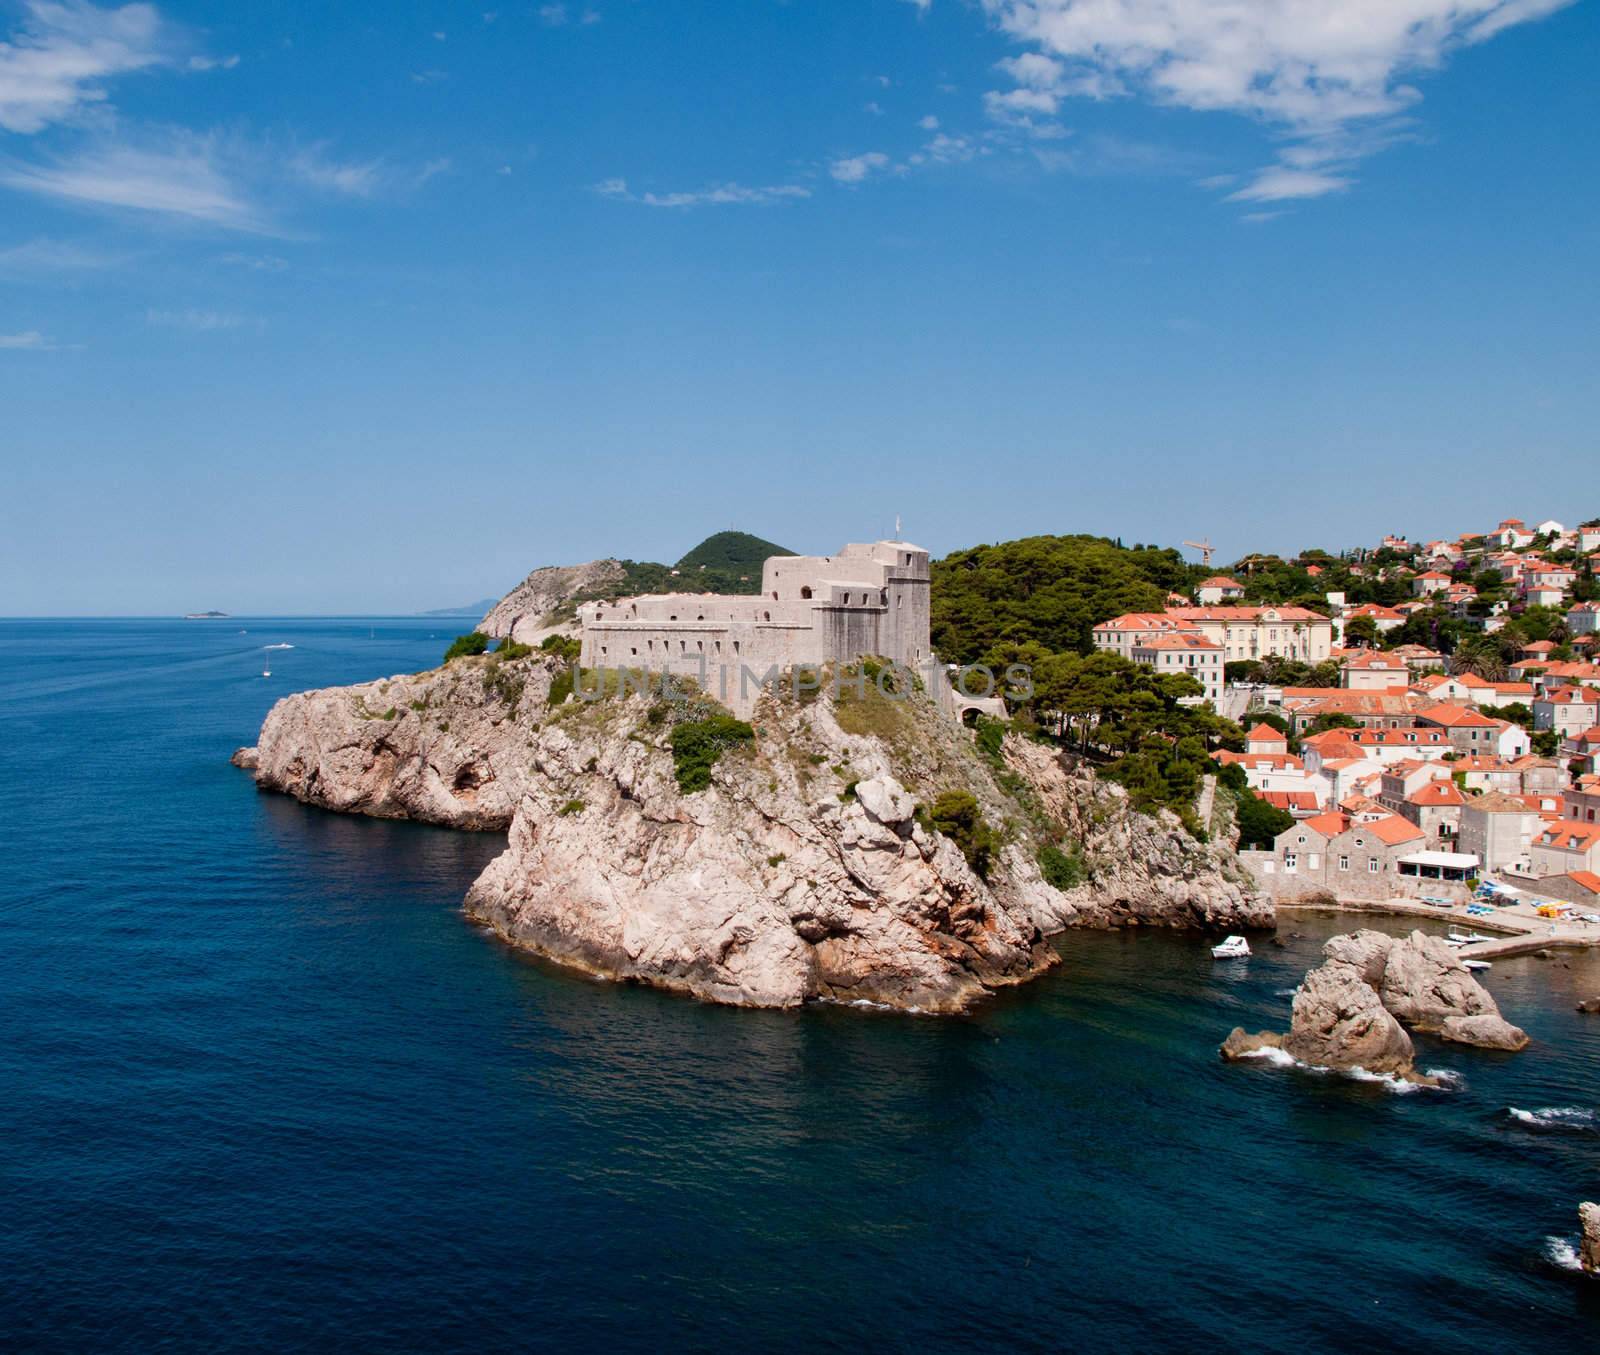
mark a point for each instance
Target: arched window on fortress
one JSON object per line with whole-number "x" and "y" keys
{"x": 805, "y": 592}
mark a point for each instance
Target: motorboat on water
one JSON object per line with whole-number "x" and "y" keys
{"x": 1230, "y": 948}
{"x": 1461, "y": 938}
{"x": 266, "y": 672}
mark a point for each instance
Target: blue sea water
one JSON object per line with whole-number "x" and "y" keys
{"x": 263, "y": 1087}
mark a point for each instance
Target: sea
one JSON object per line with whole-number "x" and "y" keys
{"x": 263, "y": 1087}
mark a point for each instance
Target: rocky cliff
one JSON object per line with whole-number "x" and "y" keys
{"x": 530, "y": 611}
{"x": 449, "y": 746}
{"x": 847, "y": 845}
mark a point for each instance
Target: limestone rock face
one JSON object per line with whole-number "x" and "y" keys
{"x": 1426, "y": 986}
{"x": 450, "y": 746}
{"x": 1340, "y": 1022}
{"x": 1240, "y": 1044}
{"x": 527, "y": 613}
{"x": 1144, "y": 870}
{"x": 765, "y": 889}
{"x": 808, "y": 868}
{"x": 1589, "y": 1247}
{"x": 1348, "y": 1011}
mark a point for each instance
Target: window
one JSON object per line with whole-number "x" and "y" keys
{"x": 1344, "y": 863}
{"x": 806, "y": 591}
{"x": 1290, "y": 860}
{"x": 1372, "y": 865}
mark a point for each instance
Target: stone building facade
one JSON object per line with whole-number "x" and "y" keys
{"x": 813, "y": 609}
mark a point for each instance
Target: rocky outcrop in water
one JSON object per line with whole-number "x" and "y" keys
{"x": 1347, "y": 1013}
{"x": 805, "y": 869}
{"x": 1589, "y": 1246}
{"x": 532, "y": 610}
{"x": 448, "y": 746}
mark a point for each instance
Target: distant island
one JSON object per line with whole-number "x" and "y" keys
{"x": 205, "y": 616}
{"x": 480, "y": 608}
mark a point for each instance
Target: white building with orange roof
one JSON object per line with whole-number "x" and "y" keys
{"x": 1218, "y": 588}
{"x": 1430, "y": 582}
{"x": 1373, "y": 671}
{"x": 1563, "y": 846}
{"x": 1567, "y": 710}
{"x": 1180, "y": 653}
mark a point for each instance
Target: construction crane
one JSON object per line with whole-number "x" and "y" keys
{"x": 1205, "y": 548}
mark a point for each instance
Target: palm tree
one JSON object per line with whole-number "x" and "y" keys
{"x": 1481, "y": 656}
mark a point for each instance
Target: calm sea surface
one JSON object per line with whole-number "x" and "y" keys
{"x": 262, "y": 1087}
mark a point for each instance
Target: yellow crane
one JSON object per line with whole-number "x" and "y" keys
{"x": 1205, "y": 548}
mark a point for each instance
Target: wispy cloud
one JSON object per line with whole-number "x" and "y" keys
{"x": 50, "y": 258}
{"x": 717, "y": 195}
{"x": 183, "y": 180}
{"x": 858, "y": 168}
{"x": 356, "y": 179}
{"x": 257, "y": 263}
{"x": 59, "y": 59}
{"x": 29, "y": 339}
{"x": 1311, "y": 68}
{"x": 199, "y": 321}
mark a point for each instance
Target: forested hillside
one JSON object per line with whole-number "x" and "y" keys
{"x": 1051, "y": 590}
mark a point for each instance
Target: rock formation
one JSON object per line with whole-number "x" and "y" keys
{"x": 448, "y": 746}
{"x": 1347, "y": 1013}
{"x": 1589, "y": 1246}
{"x": 1589, "y": 1005}
{"x": 533, "y": 609}
{"x": 812, "y": 864}
{"x": 1144, "y": 870}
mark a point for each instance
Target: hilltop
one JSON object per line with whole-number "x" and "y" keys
{"x": 548, "y": 599}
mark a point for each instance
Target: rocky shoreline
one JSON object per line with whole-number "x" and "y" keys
{"x": 844, "y": 847}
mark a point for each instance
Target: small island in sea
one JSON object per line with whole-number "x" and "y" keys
{"x": 205, "y": 616}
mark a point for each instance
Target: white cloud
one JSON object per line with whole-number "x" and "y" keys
{"x": 552, "y": 16}
{"x": 355, "y": 180}
{"x": 944, "y": 149}
{"x": 929, "y": 123}
{"x": 1311, "y": 67}
{"x": 183, "y": 180}
{"x": 213, "y": 63}
{"x": 873, "y": 107}
{"x": 29, "y": 339}
{"x": 257, "y": 263}
{"x": 46, "y": 257}
{"x": 200, "y": 321}
{"x": 59, "y": 59}
{"x": 715, "y": 196}
{"x": 1278, "y": 183}
{"x": 857, "y": 168}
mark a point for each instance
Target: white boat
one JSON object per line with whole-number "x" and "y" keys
{"x": 266, "y": 672}
{"x": 1230, "y": 948}
{"x": 1459, "y": 938}
{"x": 1475, "y": 964}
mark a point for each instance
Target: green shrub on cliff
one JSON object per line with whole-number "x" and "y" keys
{"x": 564, "y": 647}
{"x": 697, "y": 744}
{"x": 476, "y": 642}
{"x": 1061, "y": 869}
{"x": 511, "y": 649}
{"x": 957, "y": 815}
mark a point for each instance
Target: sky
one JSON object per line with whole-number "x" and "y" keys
{"x": 374, "y": 307}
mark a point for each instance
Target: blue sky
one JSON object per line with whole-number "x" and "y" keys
{"x": 374, "y": 307}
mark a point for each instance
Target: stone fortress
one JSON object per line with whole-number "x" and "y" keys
{"x": 813, "y": 609}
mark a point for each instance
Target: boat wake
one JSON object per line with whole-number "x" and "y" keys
{"x": 278, "y": 646}
{"x": 1573, "y": 1119}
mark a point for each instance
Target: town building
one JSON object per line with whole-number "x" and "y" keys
{"x": 1498, "y": 829}
{"x": 1562, "y": 847}
{"x": 1241, "y": 632}
{"x": 1217, "y": 589}
{"x": 1183, "y": 654}
{"x": 1567, "y": 710}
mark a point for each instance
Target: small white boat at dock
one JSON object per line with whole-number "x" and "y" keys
{"x": 1230, "y": 948}
{"x": 1475, "y": 964}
